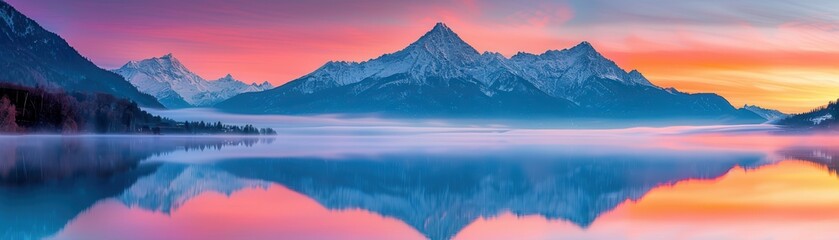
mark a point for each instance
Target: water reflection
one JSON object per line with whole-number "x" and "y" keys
{"x": 34, "y": 159}
{"x": 172, "y": 185}
{"x": 439, "y": 194}
{"x": 47, "y": 181}
{"x": 827, "y": 157}
{"x": 320, "y": 187}
{"x": 38, "y": 211}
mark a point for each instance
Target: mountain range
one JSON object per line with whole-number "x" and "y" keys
{"x": 175, "y": 86}
{"x": 441, "y": 75}
{"x": 771, "y": 115}
{"x": 32, "y": 56}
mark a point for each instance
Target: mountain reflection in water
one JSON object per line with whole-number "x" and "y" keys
{"x": 438, "y": 184}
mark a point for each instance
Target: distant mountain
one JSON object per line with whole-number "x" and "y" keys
{"x": 826, "y": 117}
{"x": 441, "y": 75}
{"x": 33, "y": 56}
{"x": 770, "y": 115}
{"x": 176, "y": 86}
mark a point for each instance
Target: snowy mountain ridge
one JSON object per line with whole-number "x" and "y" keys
{"x": 770, "y": 115}
{"x": 440, "y": 75}
{"x": 176, "y": 86}
{"x": 442, "y": 53}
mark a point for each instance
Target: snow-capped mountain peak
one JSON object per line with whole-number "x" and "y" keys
{"x": 439, "y": 53}
{"x": 264, "y": 85}
{"x": 441, "y": 41}
{"x": 228, "y": 86}
{"x": 169, "y": 62}
{"x": 176, "y": 86}
{"x": 445, "y": 47}
{"x": 439, "y": 73}
{"x": 584, "y": 47}
{"x": 228, "y": 77}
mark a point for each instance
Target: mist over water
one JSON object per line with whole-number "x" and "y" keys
{"x": 372, "y": 123}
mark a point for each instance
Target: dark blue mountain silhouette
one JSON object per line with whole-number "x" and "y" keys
{"x": 32, "y": 56}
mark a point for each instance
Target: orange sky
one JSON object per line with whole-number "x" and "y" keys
{"x": 766, "y": 203}
{"x": 781, "y": 55}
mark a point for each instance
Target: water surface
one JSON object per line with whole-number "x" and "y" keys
{"x": 718, "y": 182}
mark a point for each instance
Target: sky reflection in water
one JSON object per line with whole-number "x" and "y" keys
{"x": 746, "y": 182}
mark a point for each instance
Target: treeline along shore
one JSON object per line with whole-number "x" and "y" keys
{"x": 26, "y": 110}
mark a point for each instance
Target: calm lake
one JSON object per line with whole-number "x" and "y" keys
{"x": 396, "y": 182}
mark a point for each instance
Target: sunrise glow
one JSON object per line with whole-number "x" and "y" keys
{"x": 780, "y": 55}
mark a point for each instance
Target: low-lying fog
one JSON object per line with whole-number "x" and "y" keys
{"x": 371, "y": 124}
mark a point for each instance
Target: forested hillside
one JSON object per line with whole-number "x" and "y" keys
{"x": 39, "y": 110}
{"x": 823, "y": 117}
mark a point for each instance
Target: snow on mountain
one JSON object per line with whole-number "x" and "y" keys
{"x": 558, "y": 72}
{"x": 442, "y": 53}
{"x": 819, "y": 120}
{"x": 440, "y": 74}
{"x": 9, "y": 18}
{"x": 227, "y": 87}
{"x": 770, "y": 115}
{"x": 165, "y": 77}
{"x": 172, "y": 185}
